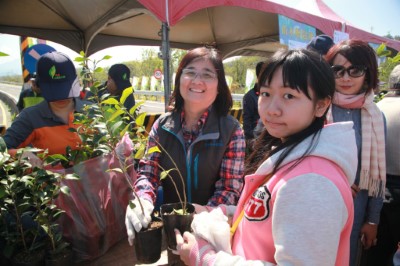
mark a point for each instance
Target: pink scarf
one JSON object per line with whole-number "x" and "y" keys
{"x": 373, "y": 163}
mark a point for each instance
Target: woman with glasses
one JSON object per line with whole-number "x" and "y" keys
{"x": 204, "y": 141}
{"x": 356, "y": 76}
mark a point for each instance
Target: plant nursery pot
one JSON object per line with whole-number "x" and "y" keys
{"x": 173, "y": 220}
{"x": 148, "y": 242}
{"x": 29, "y": 258}
{"x": 62, "y": 259}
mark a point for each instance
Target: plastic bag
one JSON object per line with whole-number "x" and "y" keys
{"x": 95, "y": 209}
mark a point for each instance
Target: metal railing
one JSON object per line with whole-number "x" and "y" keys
{"x": 159, "y": 95}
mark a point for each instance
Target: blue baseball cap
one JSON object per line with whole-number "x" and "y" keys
{"x": 56, "y": 77}
{"x": 321, "y": 44}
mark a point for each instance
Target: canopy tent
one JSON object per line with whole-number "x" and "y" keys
{"x": 235, "y": 27}
{"x": 315, "y": 13}
{"x": 232, "y": 25}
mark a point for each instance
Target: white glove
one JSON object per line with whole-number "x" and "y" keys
{"x": 135, "y": 219}
{"x": 217, "y": 232}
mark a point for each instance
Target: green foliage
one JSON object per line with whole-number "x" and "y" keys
{"x": 16, "y": 79}
{"x": 28, "y": 192}
{"x": 237, "y": 69}
{"x": 103, "y": 124}
{"x": 386, "y": 67}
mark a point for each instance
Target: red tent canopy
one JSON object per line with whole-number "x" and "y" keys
{"x": 322, "y": 17}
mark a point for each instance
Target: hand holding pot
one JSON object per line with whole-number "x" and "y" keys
{"x": 135, "y": 219}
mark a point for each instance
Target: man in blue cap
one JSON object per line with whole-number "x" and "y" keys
{"x": 46, "y": 125}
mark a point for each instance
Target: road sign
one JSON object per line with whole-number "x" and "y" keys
{"x": 32, "y": 55}
{"x": 158, "y": 74}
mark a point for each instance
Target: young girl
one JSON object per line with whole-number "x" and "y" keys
{"x": 297, "y": 208}
{"x": 356, "y": 76}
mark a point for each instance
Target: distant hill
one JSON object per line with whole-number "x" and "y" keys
{"x": 10, "y": 68}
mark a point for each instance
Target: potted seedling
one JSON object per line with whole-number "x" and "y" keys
{"x": 48, "y": 188}
{"x": 107, "y": 128}
{"x": 148, "y": 240}
{"x": 28, "y": 214}
{"x": 178, "y": 215}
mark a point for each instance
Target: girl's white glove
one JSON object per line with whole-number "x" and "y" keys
{"x": 214, "y": 228}
{"x": 135, "y": 219}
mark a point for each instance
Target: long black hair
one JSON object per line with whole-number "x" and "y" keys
{"x": 301, "y": 70}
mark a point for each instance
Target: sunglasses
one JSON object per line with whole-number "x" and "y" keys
{"x": 352, "y": 71}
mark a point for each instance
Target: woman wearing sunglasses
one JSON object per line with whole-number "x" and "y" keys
{"x": 356, "y": 76}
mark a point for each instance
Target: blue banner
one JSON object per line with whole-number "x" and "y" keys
{"x": 296, "y": 32}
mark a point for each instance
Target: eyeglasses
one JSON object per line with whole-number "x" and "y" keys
{"x": 352, "y": 71}
{"x": 204, "y": 76}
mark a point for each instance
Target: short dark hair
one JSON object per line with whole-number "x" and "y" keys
{"x": 223, "y": 103}
{"x": 358, "y": 53}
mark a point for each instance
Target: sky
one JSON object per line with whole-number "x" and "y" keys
{"x": 379, "y": 17}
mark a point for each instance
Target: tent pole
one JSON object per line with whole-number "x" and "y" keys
{"x": 166, "y": 63}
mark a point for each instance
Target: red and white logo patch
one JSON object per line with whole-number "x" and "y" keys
{"x": 257, "y": 208}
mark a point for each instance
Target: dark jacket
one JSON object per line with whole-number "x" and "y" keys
{"x": 207, "y": 150}
{"x": 250, "y": 113}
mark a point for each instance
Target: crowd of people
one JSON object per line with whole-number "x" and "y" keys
{"x": 311, "y": 178}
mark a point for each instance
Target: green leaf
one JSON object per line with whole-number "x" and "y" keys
{"x": 140, "y": 152}
{"x": 3, "y": 54}
{"x": 396, "y": 58}
{"x": 132, "y": 205}
{"x": 140, "y": 119}
{"x": 385, "y": 53}
{"x": 2, "y": 192}
{"x": 3, "y": 146}
{"x": 106, "y": 57}
{"x": 98, "y": 70}
{"x": 153, "y": 149}
{"x": 72, "y": 176}
{"x": 115, "y": 127}
{"x": 65, "y": 190}
{"x": 124, "y": 130}
{"x": 32, "y": 149}
{"x": 111, "y": 101}
{"x": 165, "y": 174}
{"x": 125, "y": 94}
{"x": 380, "y": 49}
{"x": 180, "y": 212}
{"x": 79, "y": 59}
{"x": 56, "y": 157}
{"x": 135, "y": 107}
{"x": 116, "y": 114}
{"x": 118, "y": 170}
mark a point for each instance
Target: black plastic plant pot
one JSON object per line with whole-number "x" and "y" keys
{"x": 62, "y": 259}
{"x": 29, "y": 259}
{"x": 148, "y": 242}
{"x": 173, "y": 220}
